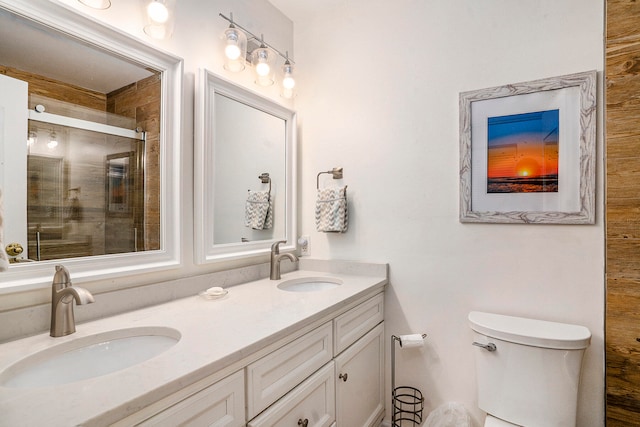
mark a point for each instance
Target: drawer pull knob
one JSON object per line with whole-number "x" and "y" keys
{"x": 303, "y": 423}
{"x": 343, "y": 377}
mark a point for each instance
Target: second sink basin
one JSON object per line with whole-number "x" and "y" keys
{"x": 89, "y": 357}
{"x": 309, "y": 284}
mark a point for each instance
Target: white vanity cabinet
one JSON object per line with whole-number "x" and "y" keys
{"x": 331, "y": 376}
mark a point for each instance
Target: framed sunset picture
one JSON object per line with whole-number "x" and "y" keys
{"x": 527, "y": 152}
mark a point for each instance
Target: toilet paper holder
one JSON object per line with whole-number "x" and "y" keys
{"x": 407, "y": 403}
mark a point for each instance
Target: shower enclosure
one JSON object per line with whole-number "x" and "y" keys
{"x": 85, "y": 182}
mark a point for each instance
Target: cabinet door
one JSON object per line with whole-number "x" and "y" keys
{"x": 360, "y": 381}
{"x": 219, "y": 405}
{"x": 311, "y": 404}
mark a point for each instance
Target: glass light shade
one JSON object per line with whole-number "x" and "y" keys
{"x": 97, "y": 4}
{"x": 288, "y": 82}
{"x": 159, "y": 16}
{"x": 53, "y": 142}
{"x": 32, "y": 138}
{"x": 263, "y": 60}
{"x": 235, "y": 50}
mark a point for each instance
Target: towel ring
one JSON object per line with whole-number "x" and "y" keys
{"x": 336, "y": 172}
{"x": 265, "y": 178}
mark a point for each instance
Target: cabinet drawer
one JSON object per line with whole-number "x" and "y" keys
{"x": 313, "y": 400}
{"x": 219, "y": 405}
{"x": 353, "y": 324}
{"x": 271, "y": 377}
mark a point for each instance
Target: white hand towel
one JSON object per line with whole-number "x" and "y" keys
{"x": 258, "y": 210}
{"x": 331, "y": 210}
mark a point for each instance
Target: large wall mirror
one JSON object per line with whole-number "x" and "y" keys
{"x": 89, "y": 143}
{"x": 244, "y": 172}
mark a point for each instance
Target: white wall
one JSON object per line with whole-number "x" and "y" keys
{"x": 378, "y": 95}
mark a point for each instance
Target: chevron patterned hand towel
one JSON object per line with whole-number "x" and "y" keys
{"x": 331, "y": 210}
{"x": 258, "y": 210}
{"x": 268, "y": 221}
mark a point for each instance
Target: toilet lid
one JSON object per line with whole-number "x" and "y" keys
{"x": 492, "y": 421}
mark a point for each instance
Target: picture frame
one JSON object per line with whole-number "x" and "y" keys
{"x": 528, "y": 152}
{"x": 119, "y": 180}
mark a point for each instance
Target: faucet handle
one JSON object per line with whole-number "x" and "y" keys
{"x": 275, "y": 248}
{"x": 61, "y": 277}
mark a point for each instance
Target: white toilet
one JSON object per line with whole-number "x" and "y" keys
{"x": 527, "y": 370}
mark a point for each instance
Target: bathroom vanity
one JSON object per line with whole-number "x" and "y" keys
{"x": 304, "y": 350}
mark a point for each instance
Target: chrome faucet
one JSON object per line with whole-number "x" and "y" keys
{"x": 62, "y": 295}
{"x": 276, "y": 257}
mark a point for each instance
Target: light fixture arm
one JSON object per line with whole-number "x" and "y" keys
{"x": 253, "y": 36}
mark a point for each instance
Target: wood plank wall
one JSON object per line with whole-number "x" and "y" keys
{"x": 141, "y": 101}
{"x": 622, "y": 94}
{"x": 44, "y": 86}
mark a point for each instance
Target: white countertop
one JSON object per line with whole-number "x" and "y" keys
{"x": 215, "y": 335}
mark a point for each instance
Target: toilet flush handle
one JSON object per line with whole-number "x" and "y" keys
{"x": 489, "y": 347}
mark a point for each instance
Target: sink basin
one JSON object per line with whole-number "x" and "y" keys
{"x": 89, "y": 357}
{"x": 309, "y": 284}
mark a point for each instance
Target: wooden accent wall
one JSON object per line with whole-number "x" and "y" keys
{"x": 141, "y": 101}
{"x": 622, "y": 94}
{"x": 44, "y": 86}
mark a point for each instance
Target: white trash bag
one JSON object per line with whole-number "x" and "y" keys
{"x": 449, "y": 414}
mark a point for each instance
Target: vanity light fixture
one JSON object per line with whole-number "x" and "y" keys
{"x": 263, "y": 60}
{"x": 32, "y": 138}
{"x": 97, "y": 4}
{"x": 159, "y": 18}
{"x": 235, "y": 51}
{"x": 288, "y": 82}
{"x": 53, "y": 142}
{"x": 261, "y": 55}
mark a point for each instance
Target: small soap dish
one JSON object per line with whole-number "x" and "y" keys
{"x": 213, "y": 293}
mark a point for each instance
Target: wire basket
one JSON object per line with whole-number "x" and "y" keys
{"x": 408, "y": 404}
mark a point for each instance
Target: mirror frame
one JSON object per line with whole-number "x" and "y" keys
{"x": 33, "y": 275}
{"x": 205, "y": 250}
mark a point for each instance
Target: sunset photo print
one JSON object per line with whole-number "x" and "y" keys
{"x": 522, "y": 152}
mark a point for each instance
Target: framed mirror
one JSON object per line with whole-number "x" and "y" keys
{"x": 89, "y": 142}
{"x": 244, "y": 172}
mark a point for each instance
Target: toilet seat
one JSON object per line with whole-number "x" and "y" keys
{"x": 492, "y": 421}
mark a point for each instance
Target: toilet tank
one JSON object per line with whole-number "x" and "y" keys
{"x": 532, "y": 377}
